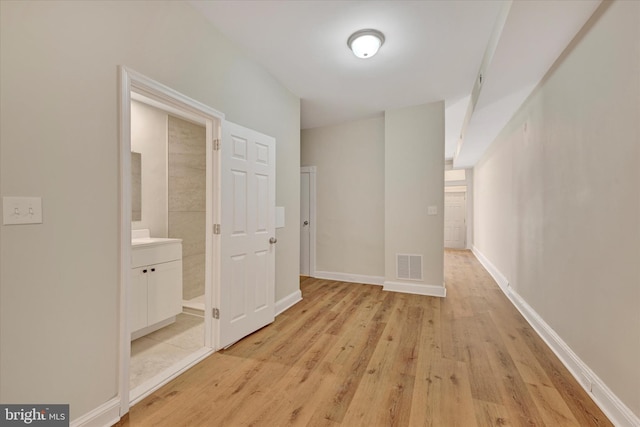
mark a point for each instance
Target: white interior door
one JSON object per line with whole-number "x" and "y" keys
{"x": 247, "y": 229}
{"x": 454, "y": 220}
{"x": 305, "y": 229}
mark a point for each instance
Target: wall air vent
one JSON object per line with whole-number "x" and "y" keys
{"x": 409, "y": 267}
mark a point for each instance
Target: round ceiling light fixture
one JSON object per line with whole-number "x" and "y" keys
{"x": 365, "y": 43}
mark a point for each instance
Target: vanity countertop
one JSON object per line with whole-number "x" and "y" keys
{"x": 142, "y": 238}
{"x": 153, "y": 241}
{"x": 147, "y": 250}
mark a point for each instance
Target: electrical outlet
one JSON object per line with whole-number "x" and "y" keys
{"x": 21, "y": 210}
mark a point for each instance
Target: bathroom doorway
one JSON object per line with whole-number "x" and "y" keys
{"x": 168, "y": 202}
{"x": 173, "y": 138}
{"x": 239, "y": 235}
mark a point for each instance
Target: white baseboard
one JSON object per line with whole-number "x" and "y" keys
{"x": 287, "y": 302}
{"x": 619, "y": 414}
{"x": 502, "y": 281}
{"x": 104, "y": 415}
{"x": 348, "y": 277}
{"x": 415, "y": 288}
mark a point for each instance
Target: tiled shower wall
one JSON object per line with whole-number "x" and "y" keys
{"x": 187, "y": 200}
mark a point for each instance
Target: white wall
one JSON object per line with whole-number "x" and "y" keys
{"x": 149, "y": 138}
{"x": 414, "y": 180}
{"x": 59, "y": 140}
{"x": 557, "y": 200}
{"x": 350, "y": 195}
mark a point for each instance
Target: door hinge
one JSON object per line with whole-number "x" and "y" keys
{"x": 216, "y": 228}
{"x": 216, "y": 145}
{"x": 215, "y": 313}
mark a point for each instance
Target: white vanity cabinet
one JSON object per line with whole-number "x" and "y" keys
{"x": 156, "y": 284}
{"x": 138, "y": 299}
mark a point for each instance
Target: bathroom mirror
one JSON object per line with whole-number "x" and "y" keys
{"x": 136, "y": 186}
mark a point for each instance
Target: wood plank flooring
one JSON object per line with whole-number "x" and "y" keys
{"x": 353, "y": 355}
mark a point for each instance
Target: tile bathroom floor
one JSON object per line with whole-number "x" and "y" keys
{"x": 159, "y": 350}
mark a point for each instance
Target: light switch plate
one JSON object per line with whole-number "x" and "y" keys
{"x": 21, "y": 210}
{"x": 432, "y": 210}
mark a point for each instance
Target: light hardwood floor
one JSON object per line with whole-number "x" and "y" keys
{"x": 353, "y": 355}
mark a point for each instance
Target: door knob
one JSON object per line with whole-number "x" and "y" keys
{"x": 306, "y": 223}
{"x": 273, "y": 240}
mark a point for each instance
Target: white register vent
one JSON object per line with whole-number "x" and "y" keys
{"x": 409, "y": 267}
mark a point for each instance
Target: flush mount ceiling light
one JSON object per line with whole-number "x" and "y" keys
{"x": 365, "y": 43}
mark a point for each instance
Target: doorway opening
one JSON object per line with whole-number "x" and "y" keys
{"x": 166, "y": 308}
{"x": 456, "y": 207}
{"x": 455, "y": 230}
{"x": 169, "y": 199}
{"x": 239, "y": 233}
{"x": 308, "y": 221}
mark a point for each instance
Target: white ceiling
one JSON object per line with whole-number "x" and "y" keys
{"x": 433, "y": 51}
{"x": 532, "y": 38}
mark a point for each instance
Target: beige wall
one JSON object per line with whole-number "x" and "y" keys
{"x": 59, "y": 140}
{"x": 187, "y": 178}
{"x": 414, "y": 180}
{"x": 375, "y": 180}
{"x": 557, "y": 206}
{"x": 350, "y": 195}
{"x": 149, "y": 138}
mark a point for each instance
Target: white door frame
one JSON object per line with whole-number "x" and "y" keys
{"x": 311, "y": 170}
{"x": 134, "y": 84}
